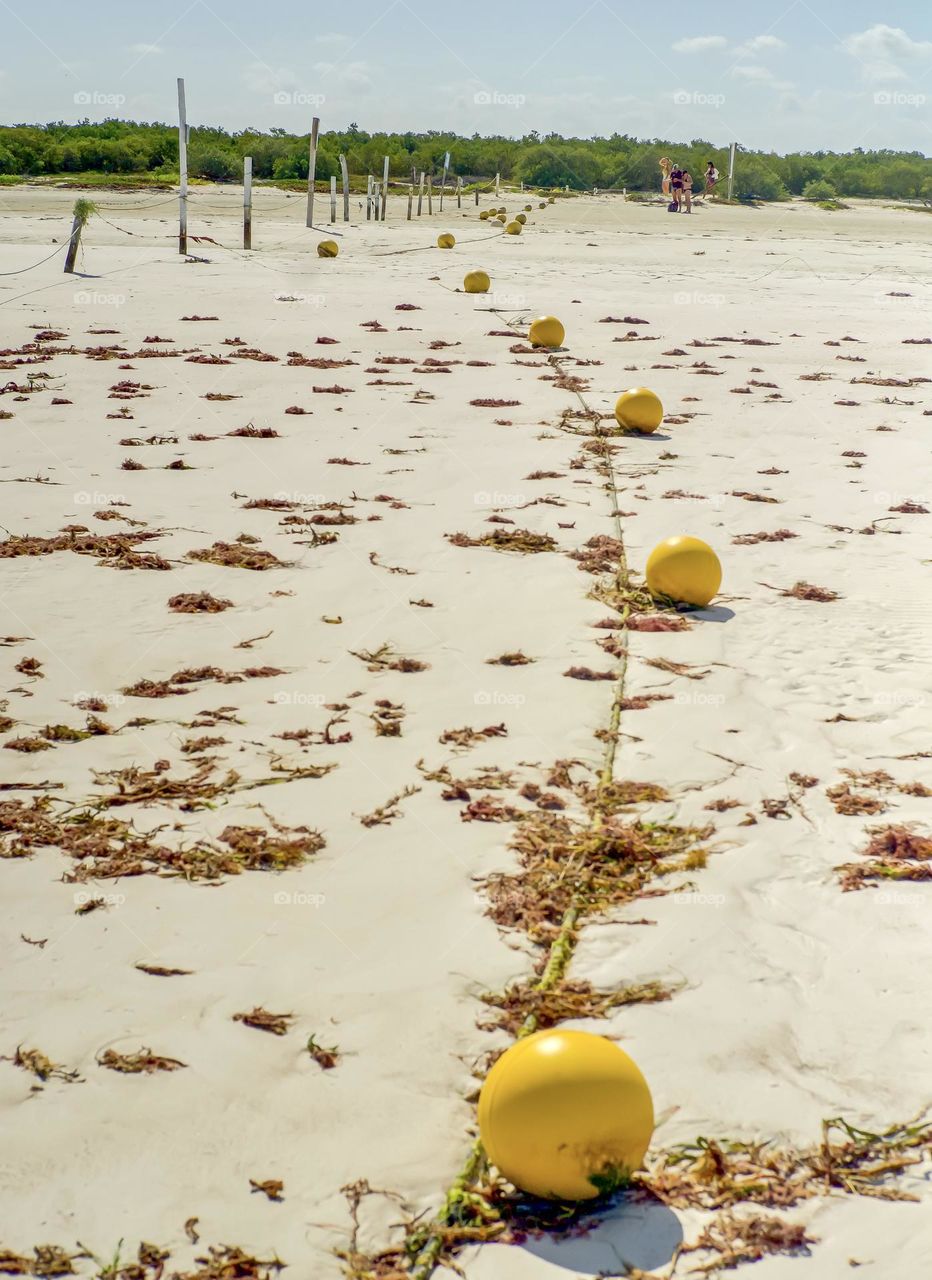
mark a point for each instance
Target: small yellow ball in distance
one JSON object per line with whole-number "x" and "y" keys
{"x": 445, "y": 240}
{"x": 483, "y": 215}
{"x": 551, "y": 199}
{"x": 477, "y": 282}
{"x": 513, "y": 228}
{"x": 521, "y": 217}
{"x": 527, "y": 208}
{"x": 639, "y": 409}
{"x": 563, "y": 1114}
{"x": 684, "y": 568}
{"x": 328, "y": 249}
{"x": 546, "y": 331}
{"x": 503, "y": 209}
{"x": 542, "y": 205}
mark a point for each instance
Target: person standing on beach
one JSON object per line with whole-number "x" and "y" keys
{"x": 711, "y": 177}
{"x": 676, "y": 185}
{"x": 688, "y": 190}
{"x": 665, "y": 168}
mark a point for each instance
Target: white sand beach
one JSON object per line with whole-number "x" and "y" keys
{"x": 293, "y": 710}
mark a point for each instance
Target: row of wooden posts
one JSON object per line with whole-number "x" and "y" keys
{"x": 376, "y": 192}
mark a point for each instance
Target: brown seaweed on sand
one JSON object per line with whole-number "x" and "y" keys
{"x": 893, "y": 853}
{"x": 237, "y": 556}
{"x": 521, "y": 540}
{"x": 260, "y": 1019}
{"x": 142, "y": 1062}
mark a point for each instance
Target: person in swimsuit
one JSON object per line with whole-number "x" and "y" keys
{"x": 665, "y": 168}
{"x": 711, "y": 177}
{"x": 688, "y": 190}
{"x": 676, "y": 184}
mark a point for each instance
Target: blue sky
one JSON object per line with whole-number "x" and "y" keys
{"x": 790, "y": 75}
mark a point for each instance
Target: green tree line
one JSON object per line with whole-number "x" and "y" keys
{"x": 126, "y": 147}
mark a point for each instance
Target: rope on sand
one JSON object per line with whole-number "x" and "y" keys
{"x": 22, "y": 270}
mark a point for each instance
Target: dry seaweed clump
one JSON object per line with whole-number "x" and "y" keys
{"x": 893, "y": 853}
{"x": 114, "y": 550}
{"x": 198, "y": 602}
{"x": 237, "y": 555}
{"x": 48, "y": 1259}
{"x": 104, "y": 846}
{"x": 565, "y": 866}
{"x": 528, "y": 1003}
{"x": 520, "y": 540}
{"x": 143, "y": 1062}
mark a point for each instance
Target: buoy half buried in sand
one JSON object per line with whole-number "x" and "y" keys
{"x": 328, "y": 249}
{"x": 513, "y": 228}
{"x": 565, "y": 1115}
{"x": 684, "y": 568}
{"x": 476, "y": 282}
{"x": 445, "y": 240}
{"x": 639, "y": 409}
{"x": 546, "y": 331}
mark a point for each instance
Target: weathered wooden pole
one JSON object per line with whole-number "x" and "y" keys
{"x": 430, "y": 194}
{"x": 369, "y": 197}
{"x": 182, "y": 171}
{"x": 459, "y": 193}
{"x": 345, "y": 173}
{"x": 247, "y": 202}
{"x": 312, "y": 171}
{"x": 420, "y": 194}
{"x": 410, "y": 200}
{"x": 497, "y": 180}
{"x": 333, "y": 197}
{"x": 731, "y": 168}
{"x": 443, "y": 179}
{"x": 73, "y": 244}
{"x": 384, "y": 188}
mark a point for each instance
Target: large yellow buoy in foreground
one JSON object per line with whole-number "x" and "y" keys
{"x": 445, "y": 240}
{"x": 684, "y": 568}
{"x": 328, "y": 249}
{"x": 639, "y": 410}
{"x": 513, "y": 228}
{"x": 546, "y": 331}
{"x": 477, "y": 282}
{"x": 565, "y": 1115}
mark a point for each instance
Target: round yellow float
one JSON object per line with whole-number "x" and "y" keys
{"x": 521, "y": 217}
{"x": 445, "y": 240}
{"x": 639, "y": 409}
{"x": 527, "y": 208}
{"x": 502, "y": 217}
{"x": 542, "y": 205}
{"x": 476, "y": 282}
{"x": 328, "y": 249}
{"x": 483, "y": 215}
{"x": 565, "y": 1115}
{"x": 513, "y": 228}
{"x": 546, "y": 331}
{"x": 684, "y": 568}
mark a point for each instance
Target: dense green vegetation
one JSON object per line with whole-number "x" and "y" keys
{"x": 120, "y": 147}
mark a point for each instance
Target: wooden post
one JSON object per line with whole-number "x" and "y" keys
{"x": 73, "y": 245}
{"x": 345, "y": 172}
{"x": 477, "y": 197}
{"x": 443, "y": 179}
{"x": 312, "y": 171}
{"x": 247, "y": 202}
{"x": 384, "y": 188}
{"x": 333, "y": 197}
{"x": 182, "y": 171}
{"x": 497, "y": 179}
{"x": 459, "y": 193}
{"x": 731, "y": 168}
{"x": 410, "y": 200}
{"x": 420, "y": 194}
{"x": 376, "y": 193}
{"x": 430, "y": 194}
{"x": 369, "y": 197}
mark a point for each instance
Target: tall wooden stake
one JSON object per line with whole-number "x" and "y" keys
{"x": 73, "y": 245}
{"x": 384, "y": 187}
{"x": 369, "y": 197}
{"x": 345, "y": 173}
{"x": 459, "y": 193}
{"x": 312, "y": 171}
{"x": 333, "y": 197}
{"x": 497, "y": 180}
{"x": 430, "y": 194}
{"x": 182, "y": 171}
{"x": 247, "y": 202}
{"x": 443, "y": 179}
{"x": 410, "y": 201}
{"x": 420, "y": 194}
{"x": 731, "y": 168}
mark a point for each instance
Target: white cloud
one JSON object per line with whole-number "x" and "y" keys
{"x": 700, "y": 44}
{"x": 752, "y": 73}
{"x": 355, "y": 74}
{"x": 884, "y": 50}
{"x": 144, "y": 49}
{"x": 763, "y": 44}
{"x": 261, "y": 78}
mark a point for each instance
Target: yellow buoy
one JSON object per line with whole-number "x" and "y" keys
{"x": 502, "y": 210}
{"x": 527, "y": 208}
{"x": 565, "y": 1115}
{"x": 546, "y": 331}
{"x": 502, "y": 217}
{"x": 521, "y": 217}
{"x": 328, "y": 249}
{"x": 483, "y": 215}
{"x": 477, "y": 282}
{"x": 684, "y": 568}
{"x": 445, "y": 240}
{"x": 542, "y": 205}
{"x": 551, "y": 199}
{"x": 639, "y": 409}
{"x": 513, "y": 228}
